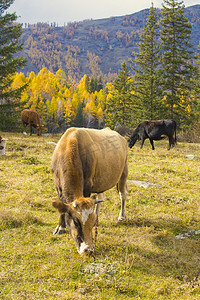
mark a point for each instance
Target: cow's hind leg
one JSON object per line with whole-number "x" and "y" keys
{"x": 100, "y": 196}
{"x": 171, "y": 142}
{"x": 122, "y": 189}
{"x": 152, "y": 144}
{"x": 87, "y": 193}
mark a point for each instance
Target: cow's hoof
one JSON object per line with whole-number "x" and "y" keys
{"x": 121, "y": 218}
{"x": 62, "y": 231}
{"x": 59, "y": 230}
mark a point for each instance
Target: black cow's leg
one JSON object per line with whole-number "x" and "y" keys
{"x": 171, "y": 142}
{"x": 142, "y": 143}
{"x": 152, "y": 144}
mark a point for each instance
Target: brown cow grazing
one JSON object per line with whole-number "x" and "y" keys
{"x": 87, "y": 161}
{"x": 31, "y": 118}
{"x": 154, "y": 130}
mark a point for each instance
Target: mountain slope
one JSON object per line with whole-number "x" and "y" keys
{"x": 94, "y": 47}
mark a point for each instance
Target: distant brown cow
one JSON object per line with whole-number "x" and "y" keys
{"x": 31, "y": 118}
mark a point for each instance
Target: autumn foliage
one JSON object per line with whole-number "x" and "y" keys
{"x": 62, "y": 103}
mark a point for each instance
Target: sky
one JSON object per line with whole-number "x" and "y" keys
{"x": 65, "y": 11}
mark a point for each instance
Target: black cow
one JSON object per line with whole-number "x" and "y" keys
{"x": 154, "y": 130}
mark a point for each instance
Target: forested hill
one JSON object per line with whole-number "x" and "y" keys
{"x": 93, "y": 47}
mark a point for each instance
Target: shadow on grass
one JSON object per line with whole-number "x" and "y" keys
{"x": 9, "y": 156}
{"x": 11, "y": 219}
{"x": 157, "y": 252}
{"x": 168, "y": 223}
{"x": 178, "y": 262}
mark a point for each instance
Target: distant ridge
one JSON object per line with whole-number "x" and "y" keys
{"x": 93, "y": 47}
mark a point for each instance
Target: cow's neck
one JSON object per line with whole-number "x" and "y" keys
{"x": 74, "y": 172}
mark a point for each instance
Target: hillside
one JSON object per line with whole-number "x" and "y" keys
{"x": 91, "y": 47}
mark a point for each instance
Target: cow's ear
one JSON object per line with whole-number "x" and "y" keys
{"x": 60, "y": 206}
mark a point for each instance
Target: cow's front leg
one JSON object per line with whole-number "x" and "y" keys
{"x": 87, "y": 188}
{"x": 142, "y": 143}
{"x": 60, "y": 229}
{"x": 30, "y": 126}
{"x": 24, "y": 127}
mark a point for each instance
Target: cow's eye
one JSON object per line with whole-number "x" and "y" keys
{"x": 76, "y": 223}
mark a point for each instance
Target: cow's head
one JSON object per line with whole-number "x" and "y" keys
{"x": 80, "y": 218}
{"x": 39, "y": 129}
{"x": 133, "y": 139}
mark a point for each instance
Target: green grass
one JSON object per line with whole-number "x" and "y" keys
{"x": 140, "y": 258}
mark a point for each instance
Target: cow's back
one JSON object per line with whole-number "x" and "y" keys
{"x": 102, "y": 157}
{"x": 30, "y": 116}
{"x": 25, "y": 116}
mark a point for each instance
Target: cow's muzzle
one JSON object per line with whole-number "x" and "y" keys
{"x": 130, "y": 143}
{"x": 85, "y": 249}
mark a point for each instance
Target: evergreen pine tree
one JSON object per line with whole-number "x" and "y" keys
{"x": 9, "y": 46}
{"x": 93, "y": 83}
{"x": 177, "y": 67}
{"x": 79, "y": 119}
{"x": 87, "y": 83}
{"x": 194, "y": 107}
{"x": 147, "y": 86}
{"x": 99, "y": 84}
{"x": 119, "y": 105}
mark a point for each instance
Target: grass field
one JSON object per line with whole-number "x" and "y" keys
{"x": 144, "y": 257}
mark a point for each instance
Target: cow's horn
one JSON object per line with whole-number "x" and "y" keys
{"x": 96, "y": 201}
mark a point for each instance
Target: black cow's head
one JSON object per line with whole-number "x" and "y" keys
{"x": 80, "y": 218}
{"x": 133, "y": 139}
